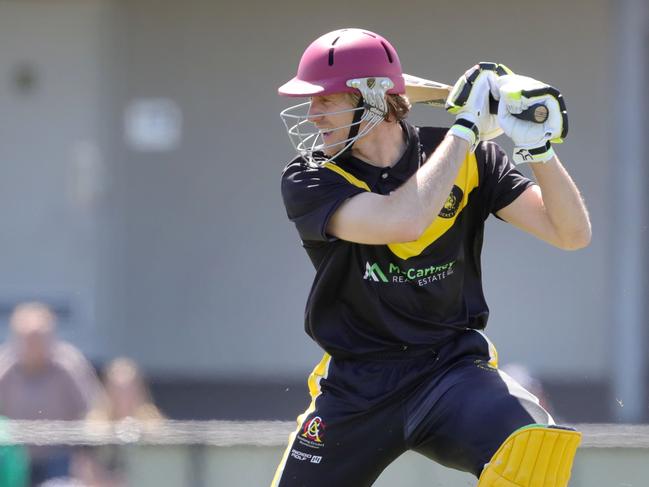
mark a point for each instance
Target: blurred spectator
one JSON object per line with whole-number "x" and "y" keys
{"x": 14, "y": 462}
{"x": 127, "y": 400}
{"x": 44, "y": 378}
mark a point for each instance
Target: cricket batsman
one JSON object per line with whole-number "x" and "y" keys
{"x": 392, "y": 217}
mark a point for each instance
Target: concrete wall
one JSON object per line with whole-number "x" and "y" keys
{"x": 187, "y": 259}
{"x": 53, "y": 160}
{"x": 216, "y": 274}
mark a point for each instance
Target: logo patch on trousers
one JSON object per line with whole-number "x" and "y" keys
{"x": 303, "y": 457}
{"x": 313, "y": 432}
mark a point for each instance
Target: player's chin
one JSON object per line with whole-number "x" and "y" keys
{"x": 332, "y": 144}
{"x": 332, "y": 150}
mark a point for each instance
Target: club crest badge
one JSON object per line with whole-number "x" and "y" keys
{"x": 452, "y": 203}
{"x": 313, "y": 432}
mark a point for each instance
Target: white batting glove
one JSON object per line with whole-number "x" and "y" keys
{"x": 469, "y": 101}
{"x": 532, "y": 140}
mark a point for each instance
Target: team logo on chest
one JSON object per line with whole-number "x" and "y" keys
{"x": 452, "y": 203}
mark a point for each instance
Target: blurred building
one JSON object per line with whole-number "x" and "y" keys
{"x": 141, "y": 150}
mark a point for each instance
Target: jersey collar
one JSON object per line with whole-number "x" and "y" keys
{"x": 405, "y": 167}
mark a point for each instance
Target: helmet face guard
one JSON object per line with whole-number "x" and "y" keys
{"x": 342, "y": 61}
{"x": 307, "y": 139}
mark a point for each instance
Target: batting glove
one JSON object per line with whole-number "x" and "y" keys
{"x": 532, "y": 141}
{"x": 469, "y": 101}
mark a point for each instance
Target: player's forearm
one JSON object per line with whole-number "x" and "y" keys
{"x": 421, "y": 198}
{"x": 563, "y": 204}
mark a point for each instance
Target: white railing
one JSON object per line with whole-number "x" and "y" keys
{"x": 238, "y": 433}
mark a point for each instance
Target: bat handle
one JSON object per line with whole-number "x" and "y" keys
{"x": 537, "y": 113}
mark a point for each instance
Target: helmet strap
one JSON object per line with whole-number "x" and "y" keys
{"x": 355, "y": 127}
{"x": 372, "y": 98}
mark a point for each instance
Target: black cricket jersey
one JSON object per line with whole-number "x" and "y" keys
{"x": 373, "y": 299}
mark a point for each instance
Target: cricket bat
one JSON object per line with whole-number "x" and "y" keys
{"x": 433, "y": 93}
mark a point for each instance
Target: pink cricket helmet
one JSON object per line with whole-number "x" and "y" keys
{"x": 341, "y": 55}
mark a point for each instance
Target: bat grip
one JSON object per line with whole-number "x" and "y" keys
{"x": 537, "y": 113}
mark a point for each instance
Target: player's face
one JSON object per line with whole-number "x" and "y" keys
{"x": 333, "y": 126}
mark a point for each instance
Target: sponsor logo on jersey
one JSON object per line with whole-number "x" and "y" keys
{"x": 452, "y": 203}
{"x": 374, "y": 273}
{"x": 422, "y": 276}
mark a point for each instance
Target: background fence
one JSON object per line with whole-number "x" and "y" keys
{"x": 245, "y": 454}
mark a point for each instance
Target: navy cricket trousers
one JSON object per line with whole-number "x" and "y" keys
{"x": 450, "y": 404}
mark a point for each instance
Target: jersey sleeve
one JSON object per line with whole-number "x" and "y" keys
{"x": 501, "y": 182}
{"x": 312, "y": 193}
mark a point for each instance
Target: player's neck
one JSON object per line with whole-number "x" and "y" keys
{"x": 383, "y": 146}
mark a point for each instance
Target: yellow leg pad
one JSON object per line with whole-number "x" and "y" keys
{"x": 533, "y": 456}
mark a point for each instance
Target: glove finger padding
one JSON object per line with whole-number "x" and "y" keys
{"x": 532, "y": 140}
{"x": 469, "y": 100}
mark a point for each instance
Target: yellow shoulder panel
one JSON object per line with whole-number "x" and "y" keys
{"x": 466, "y": 181}
{"x": 352, "y": 179}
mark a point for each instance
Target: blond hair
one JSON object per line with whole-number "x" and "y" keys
{"x": 398, "y": 106}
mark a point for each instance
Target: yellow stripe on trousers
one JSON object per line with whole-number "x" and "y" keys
{"x": 493, "y": 353}
{"x": 319, "y": 372}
